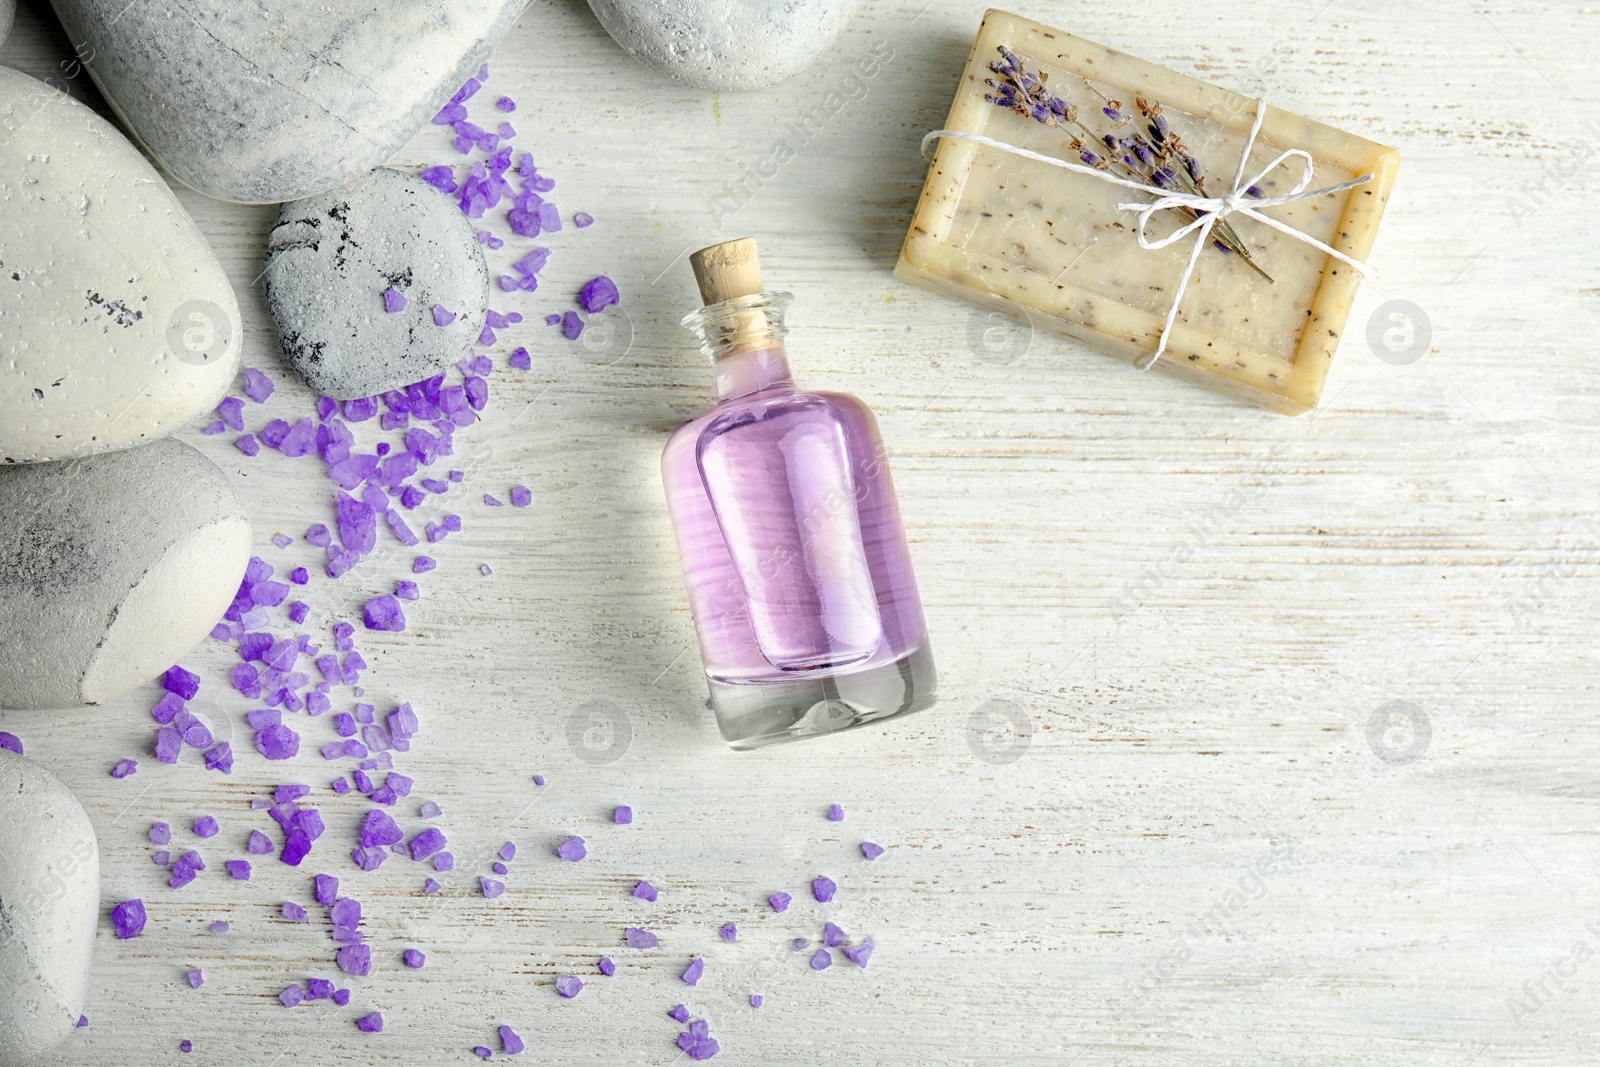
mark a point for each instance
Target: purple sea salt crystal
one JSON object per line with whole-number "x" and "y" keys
{"x": 572, "y": 850}
{"x": 393, "y": 300}
{"x": 185, "y": 868}
{"x": 341, "y": 997}
{"x": 429, "y": 810}
{"x": 125, "y": 768}
{"x": 427, "y": 843}
{"x": 680, "y": 1012}
{"x": 239, "y": 869}
{"x": 186, "y": 1045}
{"x": 520, "y": 360}
{"x": 292, "y": 995}
{"x": 538, "y": 780}
{"x": 294, "y": 912}
{"x": 508, "y": 851}
{"x": 193, "y": 730}
{"x": 571, "y": 325}
{"x": 206, "y": 826}
{"x": 698, "y": 1042}
{"x": 442, "y": 316}
{"x": 622, "y": 815}
{"x": 380, "y": 829}
{"x": 319, "y": 989}
{"x": 370, "y": 1024}
{"x": 444, "y": 861}
{"x": 355, "y": 960}
{"x": 729, "y": 932}
{"x": 755, "y": 1000}
{"x": 160, "y": 833}
{"x": 607, "y": 966}
{"x": 414, "y": 958}
{"x": 169, "y": 742}
{"x": 231, "y": 408}
{"x": 692, "y": 973}
{"x": 327, "y": 894}
{"x": 583, "y": 220}
{"x": 184, "y": 683}
{"x": 260, "y": 844}
{"x": 383, "y": 613}
{"x": 779, "y": 901}
{"x": 218, "y": 927}
{"x": 510, "y": 1042}
{"x": 823, "y": 888}
{"x": 431, "y": 886}
{"x": 483, "y": 1052}
{"x": 871, "y": 851}
{"x": 197, "y": 978}
{"x": 859, "y": 954}
{"x": 128, "y": 919}
{"x": 247, "y": 680}
{"x": 569, "y": 985}
{"x": 645, "y": 891}
{"x": 552, "y": 320}
{"x": 341, "y": 786}
{"x": 298, "y": 441}
{"x": 401, "y": 785}
{"x": 491, "y": 887}
{"x": 821, "y": 960}
{"x": 257, "y": 386}
{"x": 832, "y": 936}
{"x": 835, "y": 813}
{"x": 369, "y": 859}
{"x": 638, "y": 938}
{"x": 278, "y": 742}
{"x": 161, "y": 859}
{"x": 597, "y": 294}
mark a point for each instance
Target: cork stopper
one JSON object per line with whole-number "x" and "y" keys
{"x": 727, "y": 270}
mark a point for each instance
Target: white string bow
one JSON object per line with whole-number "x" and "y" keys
{"x": 1209, "y": 210}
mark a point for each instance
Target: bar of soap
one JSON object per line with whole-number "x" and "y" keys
{"x": 1051, "y": 247}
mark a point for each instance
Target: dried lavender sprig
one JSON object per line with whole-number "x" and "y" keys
{"x": 1025, "y": 93}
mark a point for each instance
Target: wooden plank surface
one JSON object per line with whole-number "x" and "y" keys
{"x": 1195, "y": 851}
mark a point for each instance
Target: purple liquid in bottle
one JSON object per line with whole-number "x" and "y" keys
{"x": 800, "y": 581}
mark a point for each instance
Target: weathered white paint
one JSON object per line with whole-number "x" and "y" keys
{"x": 1426, "y": 538}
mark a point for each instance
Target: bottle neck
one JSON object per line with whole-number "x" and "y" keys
{"x": 743, "y": 338}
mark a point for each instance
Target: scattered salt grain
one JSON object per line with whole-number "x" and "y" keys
{"x": 197, "y": 978}
{"x": 206, "y": 826}
{"x": 691, "y": 974}
{"x": 645, "y": 891}
{"x": 128, "y": 919}
{"x": 835, "y": 813}
{"x": 492, "y": 887}
{"x": 569, "y": 985}
{"x": 859, "y": 954}
{"x": 755, "y": 1000}
{"x": 832, "y": 936}
{"x": 294, "y": 912}
{"x": 607, "y": 967}
{"x": 160, "y": 833}
{"x": 414, "y": 958}
{"x": 572, "y": 850}
{"x": 779, "y": 901}
{"x": 638, "y": 938}
{"x": 823, "y": 888}
{"x": 821, "y": 960}
{"x": 240, "y": 869}
{"x": 680, "y": 1012}
{"x": 729, "y": 932}
{"x": 871, "y": 851}
{"x": 370, "y": 1024}
{"x": 125, "y": 768}
{"x": 622, "y": 815}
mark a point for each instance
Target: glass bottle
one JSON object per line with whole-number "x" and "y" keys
{"x": 799, "y": 576}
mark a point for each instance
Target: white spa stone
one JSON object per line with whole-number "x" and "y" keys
{"x": 49, "y": 908}
{"x": 331, "y": 257}
{"x": 117, "y": 323}
{"x": 275, "y": 100}
{"x": 725, "y": 44}
{"x": 111, "y": 569}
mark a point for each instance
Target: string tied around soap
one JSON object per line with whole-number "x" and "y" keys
{"x": 1209, "y": 210}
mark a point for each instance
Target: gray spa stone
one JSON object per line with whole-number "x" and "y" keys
{"x": 8, "y": 9}
{"x": 330, "y": 259}
{"x": 49, "y": 908}
{"x": 117, "y": 323}
{"x": 725, "y": 44}
{"x": 275, "y": 100}
{"x": 112, "y": 568}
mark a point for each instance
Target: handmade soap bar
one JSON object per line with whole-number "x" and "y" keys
{"x": 1259, "y": 321}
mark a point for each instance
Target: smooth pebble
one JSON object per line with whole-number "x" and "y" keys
{"x": 119, "y": 323}
{"x": 275, "y": 100}
{"x": 725, "y": 44}
{"x": 49, "y": 907}
{"x": 112, "y": 569}
{"x": 330, "y": 259}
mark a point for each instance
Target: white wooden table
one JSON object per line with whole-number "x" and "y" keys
{"x": 1211, "y": 840}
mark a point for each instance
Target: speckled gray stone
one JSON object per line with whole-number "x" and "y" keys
{"x": 331, "y": 257}
{"x": 111, "y": 569}
{"x": 117, "y": 323}
{"x": 8, "y": 9}
{"x": 49, "y": 908}
{"x": 275, "y": 100}
{"x": 725, "y": 44}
